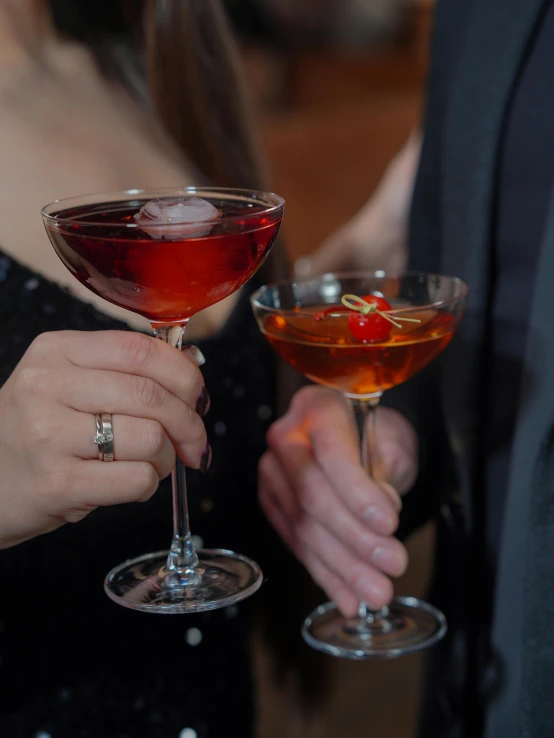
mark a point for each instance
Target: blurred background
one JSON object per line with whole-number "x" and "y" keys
{"x": 337, "y": 86}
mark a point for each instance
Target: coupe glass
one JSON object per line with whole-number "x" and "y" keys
{"x": 167, "y": 272}
{"x": 308, "y": 325}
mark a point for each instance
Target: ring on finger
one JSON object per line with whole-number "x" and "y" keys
{"x": 104, "y": 436}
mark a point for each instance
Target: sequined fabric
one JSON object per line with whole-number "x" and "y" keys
{"x": 72, "y": 663}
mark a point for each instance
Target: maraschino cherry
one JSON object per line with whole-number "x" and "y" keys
{"x": 370, "y": 320}
{"x": 370, "y": 326}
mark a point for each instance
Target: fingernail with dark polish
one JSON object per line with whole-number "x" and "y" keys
{"x": 206, "y": 460}
{"x": 203, "y": 402}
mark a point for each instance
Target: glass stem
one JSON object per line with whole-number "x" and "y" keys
{"x": 365, "y": 412}
{"x": 182, "y": 558}
{"x": 366, "y": 419}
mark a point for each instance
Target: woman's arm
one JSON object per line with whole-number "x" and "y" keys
{"x": 376, "y": 237}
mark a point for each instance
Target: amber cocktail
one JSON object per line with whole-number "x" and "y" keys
{"x": 362, "y": 334}
{"x": 325, "y": 350}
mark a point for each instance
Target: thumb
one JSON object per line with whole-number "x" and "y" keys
{"x": 391, "y": 492}
{"x": 396, "y": 462}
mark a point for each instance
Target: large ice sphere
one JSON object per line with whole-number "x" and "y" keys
{"x": 188, "y": 217}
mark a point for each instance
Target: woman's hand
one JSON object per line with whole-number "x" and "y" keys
{"x": 50, "y": 473}
{"x": 376, "y": 237}
{"x": 335, "y": 519}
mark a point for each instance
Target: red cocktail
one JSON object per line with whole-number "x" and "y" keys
{"x": 163, "y": 273}
{"x": 166, "y": 255}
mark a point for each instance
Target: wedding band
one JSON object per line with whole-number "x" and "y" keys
{"x": 104, "y": 436}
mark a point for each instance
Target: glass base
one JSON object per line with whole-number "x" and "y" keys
{"x": 220, "y": 579}
{"x": 409, "y": 626}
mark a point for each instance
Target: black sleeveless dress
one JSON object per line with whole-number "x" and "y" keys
{"x": 72, "y": 663}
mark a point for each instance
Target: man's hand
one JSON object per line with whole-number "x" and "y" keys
{"x": 336, "y": 520}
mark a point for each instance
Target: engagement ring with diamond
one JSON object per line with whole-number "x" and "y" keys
{"x": 104, "y": 437}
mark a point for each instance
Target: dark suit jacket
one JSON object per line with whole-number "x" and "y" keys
{"x": 494, "y": 674}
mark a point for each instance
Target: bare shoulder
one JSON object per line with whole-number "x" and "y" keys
{"x": 65, "y": 130}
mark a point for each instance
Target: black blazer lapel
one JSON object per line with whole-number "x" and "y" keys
{"x": 497, "y": 38}
{"x": 498, "y": 34}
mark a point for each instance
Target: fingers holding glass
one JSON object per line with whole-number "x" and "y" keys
{"x": 134, "y": 439}
{"x": 328, "y": 433}
{"x": 317, "y": 500}
{"x": 82, "y": 486}
{"x": 126, "y": 353}
{"x": 332, "y": 585}
{"x": 319, "y": 527}
{"x": 176, "y": 255}
{"x": 93, "y": 390}
{"x": 316, "y": 324}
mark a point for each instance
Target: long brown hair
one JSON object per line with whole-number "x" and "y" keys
{"x": 197, "y": 87}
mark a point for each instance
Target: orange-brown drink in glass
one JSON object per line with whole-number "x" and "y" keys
{"x": 362, "y": 334}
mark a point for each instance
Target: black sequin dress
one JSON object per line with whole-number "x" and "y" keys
{"x": 72, "y": 663}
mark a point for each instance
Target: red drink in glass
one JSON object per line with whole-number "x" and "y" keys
{"x": 166, "y": 254}
{"x": 170, "y": 278}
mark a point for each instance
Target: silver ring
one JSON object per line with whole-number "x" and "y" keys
{"x": 104, "y": 436}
